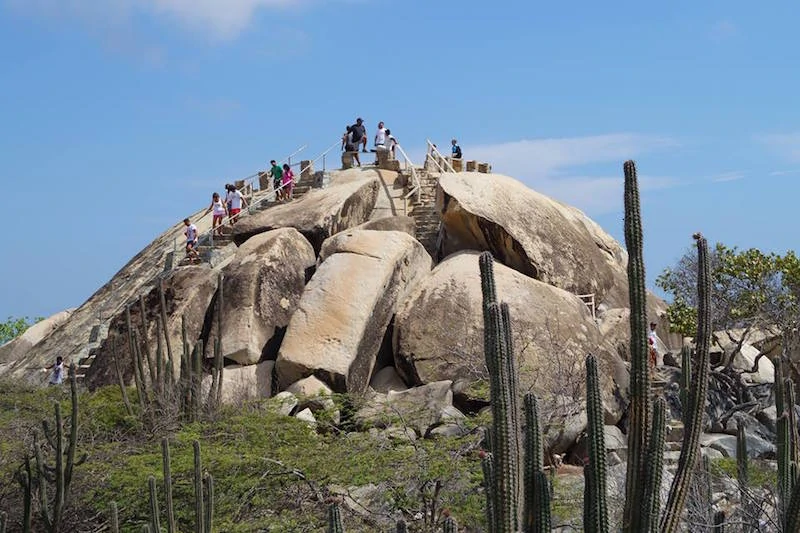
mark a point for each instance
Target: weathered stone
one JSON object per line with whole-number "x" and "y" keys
{"x": 744, "y": 359}
{"x": 399, "y": 433}
{"x": 242, "y": 383}
{"x": 387, "y": 379}
{"x": 402, "y": 223}
{"x": 757, "y": 448}
{"x": 307, "y": 416}
{"x": 472, "y": 166}
{"x": 261, "y": 289}
{"x": 419, "y": 408}
{"x": 448, "y": 431}
{"x": 484, "y": 168}
{"x": 285, "y": 402}
{"x": 312, "y": 393}
{"x": 615, "y": 327}
{"x": 16, "y": 349}
{"x": 336, "y": 332}
{"x": 320, "y": 213}
{"x": 532, "y": 234}
{"x": 188, "y": 291}
{"x": 438, "y": 333}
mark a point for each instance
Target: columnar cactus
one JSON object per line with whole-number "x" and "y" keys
{"x": 636, "y": 516}
{"x": 114, "y": 518}
{"x": 335, "y": 518}
{"x": 595, "y": 515}
{"x": 655, "y": 461}
{"x": 401, "y": 526}
{"x": 536, "y": 516}
{"x": 155, "y": 515}
{"x": 686, "y": 384}
{"x": 199, "y": 510}
{"x": 167, "y": 471}
{"x": 690, "y": 449}
{"x": 449, "y": 525}
{"x": 24, "y": 477}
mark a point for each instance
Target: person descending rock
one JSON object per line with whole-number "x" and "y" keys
{"x": 57, "y": 377}
{"x": 348, "y": 145}
{"x": 236, "y": 201}
{"x": 652, "y": 342}
{"x": 191, "y": 240}
{"x": 277, "y": 178}
{"x": 456, "y": 150}
{"x": 391, "y": 142}
{"x": 288, "y": 182}
{"x": 218, "y": 211}
{"x": 380, "y": 136}
{"x": 359, "y": 132}
{"x": 227, "y": 197}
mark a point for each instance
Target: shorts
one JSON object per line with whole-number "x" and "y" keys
{"x": 350, "y": 147}
{"x": 191, "y": 244}
{"x": 234, "y": 211}
{"x": 276, "y": 183}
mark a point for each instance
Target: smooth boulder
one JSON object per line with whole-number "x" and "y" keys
{"x": 320, "y": 213}
{"x": 342, "y": 317}
{"x": 16, "y": 349}
{"x": 244, "y": 382}
{"x": 531, "y": 233}
{"x": 261, "y": 288}
{"x": 438, "y": 333}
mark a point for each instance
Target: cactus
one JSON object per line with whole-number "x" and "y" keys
{"x": 655, "y": 461}
{"x": 3, "y": 519}
{"x": 595, "y": 519}
{"x": 719, "y": 522}
{"x": 137, "y": 367}
{"x": 487, "y": 466}
{"x": 120, "y": 379}
{"x": 114, "y": 518}
{"x": 542, "y": 523}
{"x": 690, "y": 449}
{"x": 167, "y": 470}
{"x": 686, "y": 384}
{"x": 154, "y": 513}
{"x": 163, "y": 313}
{"x": 636, "y": 516}
{"x": 335, "y": 518}
{"x": 505, "y": 420}
{"x": 449, "y": 525}
{"x": 61, "y": 473}
{"x": 536, "y": 497}
{"x": 199, "y": 511}
{"x": 209, "y": 519}
{"x": 24, "y": 477}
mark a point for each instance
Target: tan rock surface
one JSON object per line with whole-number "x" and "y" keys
{"x": 336, "y": 332}
{"x": 531, "y": 233}
{"x": 320, "y": 213}
{"x": 261, "y": 288}
{"x": 244, "y": 382}
{"x": 16, "y": 349}
{"x": 438, "y": 332}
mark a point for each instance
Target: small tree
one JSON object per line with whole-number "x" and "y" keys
{"x": 13, "y": 327}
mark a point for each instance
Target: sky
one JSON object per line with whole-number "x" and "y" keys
{"x": 120, "y": 117}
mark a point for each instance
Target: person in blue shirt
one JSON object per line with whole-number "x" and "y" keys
{"x": 456, "y": 149}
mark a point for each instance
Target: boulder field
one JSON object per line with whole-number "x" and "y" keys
{"x": 320, "y": 297}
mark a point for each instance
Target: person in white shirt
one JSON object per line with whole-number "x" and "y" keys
{"x": 380, "y": 135}
{"x": 219, "y": 210}
{"x": 390, "y": 142}
{"x": 236, "y": 200}
{"x": 191, "y": 239}
{"x": 57, "y": 377}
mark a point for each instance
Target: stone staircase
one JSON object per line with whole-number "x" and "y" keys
{"x": 424, "y": 211}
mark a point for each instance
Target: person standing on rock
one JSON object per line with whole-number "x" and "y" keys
{"x": 456, "y": 150}
{"x": 57, "y": 377}
{"x": 236, "y": 201}
{"x": 277, "y": 178}
{"x": 359, "y": 131}
{"x": 288, "y": 182}
{"x": 380, "y": 136}
{"x": 348, "y": 145}
{"x": 218, "y": 211}
{"x": 652, "y": 341}
{"x": 191, "y": 240}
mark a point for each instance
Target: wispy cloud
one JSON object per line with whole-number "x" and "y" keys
{"x": 785, "y": 145}
{"x": 215, "y": 18}
{"x": 557, "y": 167}
{"x": 784, "y": 172}
{"x": 723, "y": 29}
{"x": 729, "y": 176}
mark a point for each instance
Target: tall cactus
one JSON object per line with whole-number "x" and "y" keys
{"x": 504, "y": 435}
{"x": 655, "y": 462}
{"x": 536, "y": 516}
{"x": 3, "y": 519}
{"x": 449, "y": 525}
{"x": 199, "y": 510}
{"x": 167, "y": 471}
{"x": 690, "y": 449}
{"x": 114, "y": 518}
{"x": 401, "y": 526}
{"x": 24, "y": 477}
{"x": 155, "y": 515}
{"x": 686, "y": 384}
{"x": 335, "y": 518}
{"x": 636, "y": 517}
{"x": 64, "y": 455}
{"x": 595, "y": 516}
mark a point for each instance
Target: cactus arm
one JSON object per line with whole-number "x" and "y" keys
{"x": 209, "y": 502}
{"x": 114, "y": 518}
{"x": 335, "y": 518}
{"x": 690, "y": 450}
{"x": 655, "y": 462}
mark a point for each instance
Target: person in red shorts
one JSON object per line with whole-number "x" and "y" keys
{"x": 236, "y": 201}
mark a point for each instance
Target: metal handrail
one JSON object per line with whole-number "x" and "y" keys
{"x": 417, "y": 186}
{"x": 249, "y": 180}
{"x": 433, "y": 150}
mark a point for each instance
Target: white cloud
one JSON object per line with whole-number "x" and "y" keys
{"x": 550, "y": 166}
{"x": 729, "y": 176}
{"x": 220, "y": 19}
{"x": 785, "y": 145}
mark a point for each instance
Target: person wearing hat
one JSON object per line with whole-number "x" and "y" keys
{"x": 359, "y": 132}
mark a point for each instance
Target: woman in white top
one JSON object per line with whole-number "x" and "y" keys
{"x": 219, "y": 211}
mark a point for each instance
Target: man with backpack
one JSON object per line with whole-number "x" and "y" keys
{"x": 359, "y": 132}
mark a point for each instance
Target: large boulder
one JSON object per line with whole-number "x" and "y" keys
{"x": 438, "y": 333}
{"x": 241, "y": 383}
{"x": 341, "y": 319}
{"x": 188, "y": 292}
{"x": 394, "y": 223}
{"x": 261, "y": 288}
{"x": 16, "y": 349}
{"x": 320, "y": 213}
{"x": 419, "y": 408}
{"x": 531, "y": 233}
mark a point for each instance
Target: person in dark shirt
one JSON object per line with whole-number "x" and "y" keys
{"x": 456, "y": 150}
{"x": 359, "y": 132}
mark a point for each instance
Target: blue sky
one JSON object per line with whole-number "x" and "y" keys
{"x": 119, "y": 117}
